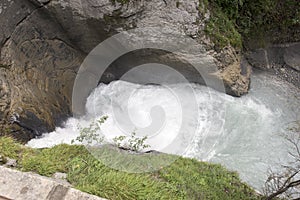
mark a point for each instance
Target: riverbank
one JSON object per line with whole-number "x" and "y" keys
{"x": 184, "y": 179}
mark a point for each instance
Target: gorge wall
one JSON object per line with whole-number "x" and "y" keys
{"x": 43, "y": 43}
{"x": 282, "y": 59}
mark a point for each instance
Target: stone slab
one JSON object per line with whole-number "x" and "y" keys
{"x": 18, "y": 185}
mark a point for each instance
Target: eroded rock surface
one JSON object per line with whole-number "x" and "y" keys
{"x": 43, "y": 43}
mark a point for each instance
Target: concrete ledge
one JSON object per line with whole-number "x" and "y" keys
{"x": 18, "y": 185}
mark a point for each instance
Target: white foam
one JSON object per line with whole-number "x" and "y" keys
{"x": 241, "y": 133}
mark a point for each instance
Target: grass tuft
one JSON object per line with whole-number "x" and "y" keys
{"x": 9, "y": 147}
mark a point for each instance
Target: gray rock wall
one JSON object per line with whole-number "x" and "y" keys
{"x": 282, "y": 59}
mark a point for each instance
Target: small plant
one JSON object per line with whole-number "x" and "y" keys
{"x": 136, "y": 143}
{"x": 91, "y": 134}
{"x": 119, "y": 140}
{"x": 133, "y": 142}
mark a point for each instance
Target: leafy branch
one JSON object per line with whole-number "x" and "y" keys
{"x": 92, "y": 134}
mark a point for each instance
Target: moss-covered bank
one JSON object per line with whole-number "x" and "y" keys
{"x": 184, "y": 179}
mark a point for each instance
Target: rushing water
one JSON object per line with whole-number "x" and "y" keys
{"x": 244, "y": 134}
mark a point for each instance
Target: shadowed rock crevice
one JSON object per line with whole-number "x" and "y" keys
{"x": 35, "y": 5}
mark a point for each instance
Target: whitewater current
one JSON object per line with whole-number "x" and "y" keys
{"x": 244, "y": 134}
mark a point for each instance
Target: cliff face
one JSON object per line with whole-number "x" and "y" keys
{"x": 43, "y": 43}
{"x": 38, "y": 66}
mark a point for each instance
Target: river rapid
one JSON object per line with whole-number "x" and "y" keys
{"x": 244, "y": 134}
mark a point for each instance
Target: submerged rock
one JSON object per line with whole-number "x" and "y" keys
{"x": 43, "y": 43}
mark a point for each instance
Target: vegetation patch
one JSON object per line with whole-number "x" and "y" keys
{"x": 253, "y": 23}
{"x": 183, "y": 179}
{"x": 222, "y": 30}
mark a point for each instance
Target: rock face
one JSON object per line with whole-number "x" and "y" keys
{"x": 43, "y": 43}
{"x": 283, "y": 59}
{"x": 38, "y": 66}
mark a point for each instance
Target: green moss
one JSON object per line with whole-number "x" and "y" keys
{"x": 222, "y": 30}
{"x": 10, "y": 148}
{"x": 271, "y": 21}
{"x": 48, "y": 161}
{"x": 202, "y": 180}
{"x": 91, "y": 176}
{"x": 184, "y": 179}
{"x": 253, "y": 23}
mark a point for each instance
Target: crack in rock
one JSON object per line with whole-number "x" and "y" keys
{"x": 39, "y": 5}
